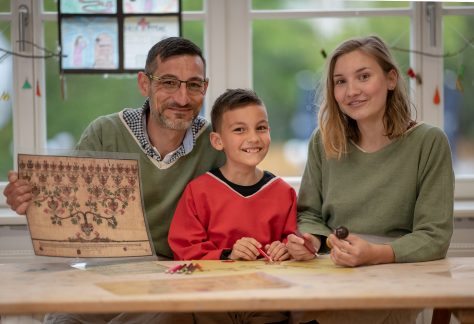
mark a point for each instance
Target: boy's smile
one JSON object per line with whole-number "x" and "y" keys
{"x": 245, "y": 137}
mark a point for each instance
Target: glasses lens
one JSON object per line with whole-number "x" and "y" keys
{"x": 195, "y": 86}
{"x": 169, "y": 84}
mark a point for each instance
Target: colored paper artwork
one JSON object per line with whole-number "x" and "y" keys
{"x": 246, "y": 281}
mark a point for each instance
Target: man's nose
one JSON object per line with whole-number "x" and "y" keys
{"x": 181, "y": 95}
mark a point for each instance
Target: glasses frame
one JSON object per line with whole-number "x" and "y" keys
{"x": 158, "y": 78}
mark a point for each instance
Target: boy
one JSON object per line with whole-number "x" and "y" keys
{"x": 233, "y": 211}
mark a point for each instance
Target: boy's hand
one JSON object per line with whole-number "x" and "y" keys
{"x": 277, "y": 251}
{"x": 245, "y": 248}
{"x": 18, "y": 193}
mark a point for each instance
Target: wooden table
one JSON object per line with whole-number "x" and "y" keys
{"x": 33, "y": 288}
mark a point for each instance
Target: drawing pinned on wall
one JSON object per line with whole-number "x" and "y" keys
{"x": 89, "y": 7}
{"x": 26, "y": 84}
{"x": 150, "y": 6}
{"x": 89, "y": 43}
{"x": 143, "y": 32}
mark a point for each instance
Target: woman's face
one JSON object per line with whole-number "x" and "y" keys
{"x": 361, "y": 86}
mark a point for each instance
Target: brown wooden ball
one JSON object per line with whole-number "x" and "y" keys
{"x": 341, "y": 232}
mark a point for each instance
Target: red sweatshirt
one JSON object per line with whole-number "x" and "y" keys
{"x": 211, "y": 217}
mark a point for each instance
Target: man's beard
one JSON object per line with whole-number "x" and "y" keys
{"x": 179, "y": 124}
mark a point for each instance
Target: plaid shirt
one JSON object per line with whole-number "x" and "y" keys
{"x": 136, "y": 121}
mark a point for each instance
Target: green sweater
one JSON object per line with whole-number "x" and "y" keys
{"x": 404, "y": 191}
{"x": 161, "y": 185}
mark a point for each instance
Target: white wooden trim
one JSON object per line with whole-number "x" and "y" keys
{"x": 305, "y": 14}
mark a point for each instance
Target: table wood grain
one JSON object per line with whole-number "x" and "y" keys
{"x": 34, "y": 288}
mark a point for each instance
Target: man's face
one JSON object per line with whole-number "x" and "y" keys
{"x": 176, "y": 109}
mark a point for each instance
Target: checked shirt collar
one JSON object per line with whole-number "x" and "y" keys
{"x": 136, "y": 121}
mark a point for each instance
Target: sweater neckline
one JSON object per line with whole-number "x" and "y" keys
{"x": 392, "y": 143}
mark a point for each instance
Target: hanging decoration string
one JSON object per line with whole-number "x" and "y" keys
{"x": 468, "y": 43}
{"x": 49, "y": 53}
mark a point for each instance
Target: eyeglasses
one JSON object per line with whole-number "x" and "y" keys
{"x": 171, "y": 85}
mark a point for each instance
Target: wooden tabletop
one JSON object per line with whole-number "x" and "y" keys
{"x": 144, "y": 286}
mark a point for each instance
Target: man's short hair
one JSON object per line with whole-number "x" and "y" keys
{"x": 232, "y": 99}
{"x": 171, "y": 46}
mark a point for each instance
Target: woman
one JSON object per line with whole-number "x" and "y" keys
{"x": 373, "y": 169}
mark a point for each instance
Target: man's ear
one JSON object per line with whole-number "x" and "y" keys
{"x": 143, "y": 83}
{"x": 206, "y": 84}
{"x": 216, "y": 141}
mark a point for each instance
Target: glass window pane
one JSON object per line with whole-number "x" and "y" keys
{"x": 458, "y": 82}
{"x": 287, "y": 67}
{"x": 5, "y": 6}
{"x": 458, "y": 4}
{"x": 191, "y": 5}
{"x": 50, "y": 5}
{"x": 86, "y": 97}
{"x": 194, "y": 30}
{"x": 326, "y": 4}
{"x": 6, "y": 89}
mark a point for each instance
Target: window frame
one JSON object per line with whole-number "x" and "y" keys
{"x": 228, "y": 48}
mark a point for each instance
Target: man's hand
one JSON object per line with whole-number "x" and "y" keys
{"x": 18, "y": 193}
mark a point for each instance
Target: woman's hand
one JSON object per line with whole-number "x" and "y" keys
{"x": 354, "y": 251}
{"x": 297, "y": 249}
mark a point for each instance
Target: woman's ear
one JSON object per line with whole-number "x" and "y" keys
{"x": 216, "y": 141}
{"x": 392, "y": 78}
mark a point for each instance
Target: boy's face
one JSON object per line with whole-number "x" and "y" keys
{"x": 244, "y": 136}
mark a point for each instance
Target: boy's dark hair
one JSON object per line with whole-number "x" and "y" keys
{"x": 169, "y": 47}
{"x": 232, "y": 99}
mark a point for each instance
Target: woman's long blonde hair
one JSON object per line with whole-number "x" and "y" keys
{"x": 336, "y": 127}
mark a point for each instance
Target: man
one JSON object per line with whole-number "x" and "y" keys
{"x": 170, "y": 138}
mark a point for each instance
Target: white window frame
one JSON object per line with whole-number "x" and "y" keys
{"x": 228, "y": 47}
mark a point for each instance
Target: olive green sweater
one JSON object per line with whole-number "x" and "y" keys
{"x": 162, "y": 185}
{"x": 403, "y": 191}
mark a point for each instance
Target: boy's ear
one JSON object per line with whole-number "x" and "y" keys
{"x": 216, "y": 141}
